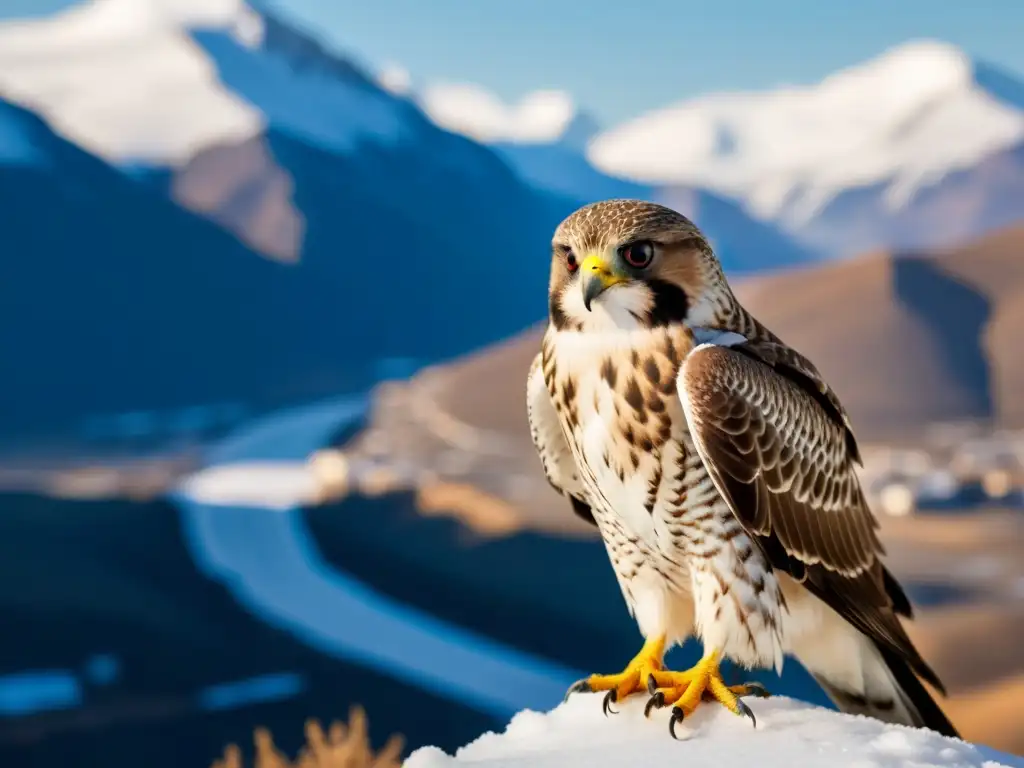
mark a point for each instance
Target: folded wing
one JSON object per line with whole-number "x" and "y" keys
{"x": 778, "y": 446}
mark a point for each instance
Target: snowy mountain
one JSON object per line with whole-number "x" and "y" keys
{"x": 209, "y": 90}
{"x": 368, "y": 209}
{"x": 125, "y": 275}
{"x": 918, "y": 146}
{"x": 62, "y": 67}
{"x": 788, "y": 733}
{"x": 189, "y": 74}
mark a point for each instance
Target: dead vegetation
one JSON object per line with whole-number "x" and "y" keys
{"x": 342, "y": 746}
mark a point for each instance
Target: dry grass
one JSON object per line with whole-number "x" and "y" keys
{"x": 342, "y": 746}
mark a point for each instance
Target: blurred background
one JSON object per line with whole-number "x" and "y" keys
{"x": 271, "y": 276}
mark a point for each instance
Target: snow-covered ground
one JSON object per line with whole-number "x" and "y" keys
{"x": 788, "y": 733}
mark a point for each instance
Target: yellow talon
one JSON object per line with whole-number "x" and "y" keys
{"x": 684, "y": 691}
{"x": 633, "y": 679}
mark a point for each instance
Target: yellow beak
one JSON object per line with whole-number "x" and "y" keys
{"x": 596, "y": 277}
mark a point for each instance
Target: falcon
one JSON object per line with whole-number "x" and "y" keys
{"x": 720, "y": 469}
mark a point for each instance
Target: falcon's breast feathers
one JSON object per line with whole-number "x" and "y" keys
{"x": 549, "y": 440}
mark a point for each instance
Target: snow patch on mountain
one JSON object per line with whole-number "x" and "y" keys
{"x": 788, "y": 733}
{"x": 474, "y": 111}
{"x": 155, "y": 81}
{"x": 395, "y": 79}
{"x": 88, "y": 70}
{"x": 905, "y": 119}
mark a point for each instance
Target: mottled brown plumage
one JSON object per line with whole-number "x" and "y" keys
{"x": 800, "y": 497}
{"x": 719, "y": 467}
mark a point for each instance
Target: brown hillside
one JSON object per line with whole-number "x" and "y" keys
{"x": 995, "y": 265}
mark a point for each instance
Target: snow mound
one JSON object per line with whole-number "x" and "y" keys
{"x": 788, "y": 733}
{"x": 904, "y": 119}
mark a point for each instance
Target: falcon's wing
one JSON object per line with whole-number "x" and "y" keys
{"x": 555, "y": 456}
{"x": 778, "y": 447}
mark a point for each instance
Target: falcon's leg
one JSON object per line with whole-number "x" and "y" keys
{"x": 684, "y": 691}
{"x": 631, "y": 680}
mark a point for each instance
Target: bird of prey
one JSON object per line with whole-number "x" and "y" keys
{"x": 719, "y": 468}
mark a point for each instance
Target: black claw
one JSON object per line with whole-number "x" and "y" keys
{"x": 652, "y": 685}
{"x": 677, "y": 717}
{"x": 745, "y": 710}
{"x": 606, "y": 706}
{"x": 581, "y": 686}
{"x": 756, "y": 689}
{"x": 657, "y": 701}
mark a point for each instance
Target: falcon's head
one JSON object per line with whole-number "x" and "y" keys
{"x": 627, "y": 264}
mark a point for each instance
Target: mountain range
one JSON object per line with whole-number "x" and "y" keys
{"x": 920, "y": 147}
{"x": 312, "y": 260}
{"x": 271, "y": 226}
{"x": 144, "y": 305}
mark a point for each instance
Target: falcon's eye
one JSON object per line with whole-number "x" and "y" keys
{"x": 639, "y": 254}
{"x": 570, "y": 260}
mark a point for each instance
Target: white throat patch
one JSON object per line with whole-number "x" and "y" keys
{"x": 616, "y": 309}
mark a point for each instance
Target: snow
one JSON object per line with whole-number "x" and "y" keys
{"x": 788, "y": 733}
{"x": 123, "y": 78}
{"x": 269, "y": 484}
{"x": 155, "y": 81}
{"x": 903, "y": 119}
{"x": 473, "y": 111}
{"x": 394, "y": 78}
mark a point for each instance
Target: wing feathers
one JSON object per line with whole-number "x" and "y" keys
{"x": 778, "y": 447}
{"x": 802, "y": 372}
{"x": 756, "y": 427}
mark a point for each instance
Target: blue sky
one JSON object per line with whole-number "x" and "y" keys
{"x": 621, "y": 57}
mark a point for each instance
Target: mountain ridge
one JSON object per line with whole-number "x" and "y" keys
{"x": 202, "y": 317}
{"x": 234, "y": 75}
